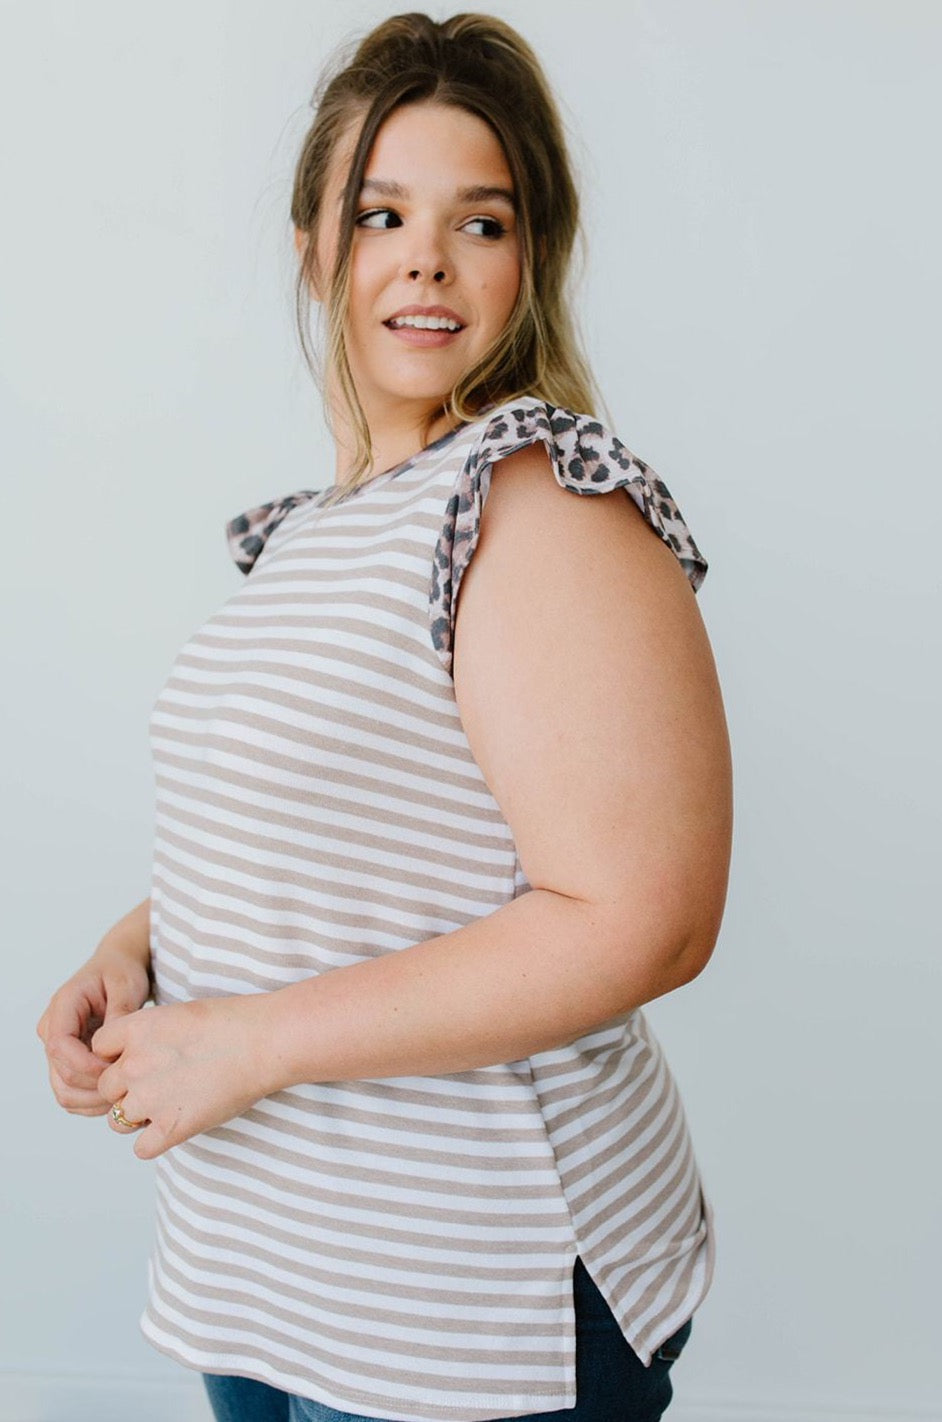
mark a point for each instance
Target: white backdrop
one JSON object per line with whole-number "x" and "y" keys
{"x": 762, "y": 304}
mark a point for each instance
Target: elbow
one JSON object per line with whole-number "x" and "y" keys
{"x": 680, "y": 957}
{"x": 697, "y": 941}
{"x": 693, "y": 957}
{"x": 650, "y": 968}
{"x": 691, "y": 929}
{"x": 658, "y": 945}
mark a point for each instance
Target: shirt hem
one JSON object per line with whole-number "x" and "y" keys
{"x": 483, "y": 1407}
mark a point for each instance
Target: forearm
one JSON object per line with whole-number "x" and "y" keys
{"x": 539, "y": 972}
{"x": 130, "y": 936}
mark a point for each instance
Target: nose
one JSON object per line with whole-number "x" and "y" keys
{"x": 426, "y": 256}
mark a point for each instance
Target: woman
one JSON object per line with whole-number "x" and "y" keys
{"x": 419, "y": 861}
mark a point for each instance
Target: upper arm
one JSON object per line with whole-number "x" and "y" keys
{"x": 588, "y": 693}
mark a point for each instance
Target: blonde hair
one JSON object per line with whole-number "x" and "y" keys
{"x": 479, "y": 64}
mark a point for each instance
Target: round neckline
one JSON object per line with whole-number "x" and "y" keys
{"x": 401, "y": 467}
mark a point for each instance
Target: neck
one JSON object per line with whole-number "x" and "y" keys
{"x": 396, "y": 433}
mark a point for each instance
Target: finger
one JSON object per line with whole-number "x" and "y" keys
{"x": 75, "y": 1010}
{"x": 75, "y": 1099}
{"x": 111, "y": 1038}
{"x": 122, "y": 1121}
{"x": 151, "y": 1142}
{"x": 122, "y": 997}
{"x": 112, "y": 1085}
{"x": 76, "y": 1065}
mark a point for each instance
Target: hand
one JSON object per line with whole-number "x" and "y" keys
{"x": 182, "y": 1068}
{"x": 111, "y": 984}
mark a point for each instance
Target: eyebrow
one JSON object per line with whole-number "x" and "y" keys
{"x": 480, "y": 193}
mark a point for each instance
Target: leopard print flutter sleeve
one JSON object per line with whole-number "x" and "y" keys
{"x": 585, "y": 457}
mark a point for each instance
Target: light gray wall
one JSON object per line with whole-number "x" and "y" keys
{"x": 762, "y": 302}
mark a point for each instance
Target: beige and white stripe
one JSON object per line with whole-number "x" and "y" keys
{"x": 397, "y": 1248}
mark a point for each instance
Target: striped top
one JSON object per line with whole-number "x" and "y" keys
{"x": 397, "y": 1248}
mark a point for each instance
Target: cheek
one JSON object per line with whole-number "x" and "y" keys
{"x": 505, "y": 286}
{"x": 367, "y": 276}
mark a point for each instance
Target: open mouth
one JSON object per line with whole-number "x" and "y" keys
{"x": 424, "y": 323}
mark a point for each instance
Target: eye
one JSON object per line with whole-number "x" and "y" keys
{"x": 379, "y": 217}
{"x": 489, "y": 226}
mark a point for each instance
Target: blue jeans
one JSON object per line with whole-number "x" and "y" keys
{"x": 612, "y": 1384}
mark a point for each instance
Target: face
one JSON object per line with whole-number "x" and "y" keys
{"x": 435, "y": 265}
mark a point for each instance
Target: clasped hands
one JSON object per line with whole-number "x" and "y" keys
{"x": 169, "y": 1072}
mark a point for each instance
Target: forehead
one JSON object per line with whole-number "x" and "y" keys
{"x": 429, "y": 146}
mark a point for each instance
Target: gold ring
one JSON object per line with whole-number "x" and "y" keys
{"x": 119, "y": 1118}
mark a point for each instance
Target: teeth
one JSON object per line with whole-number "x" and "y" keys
{"x": 426, "y": 323}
